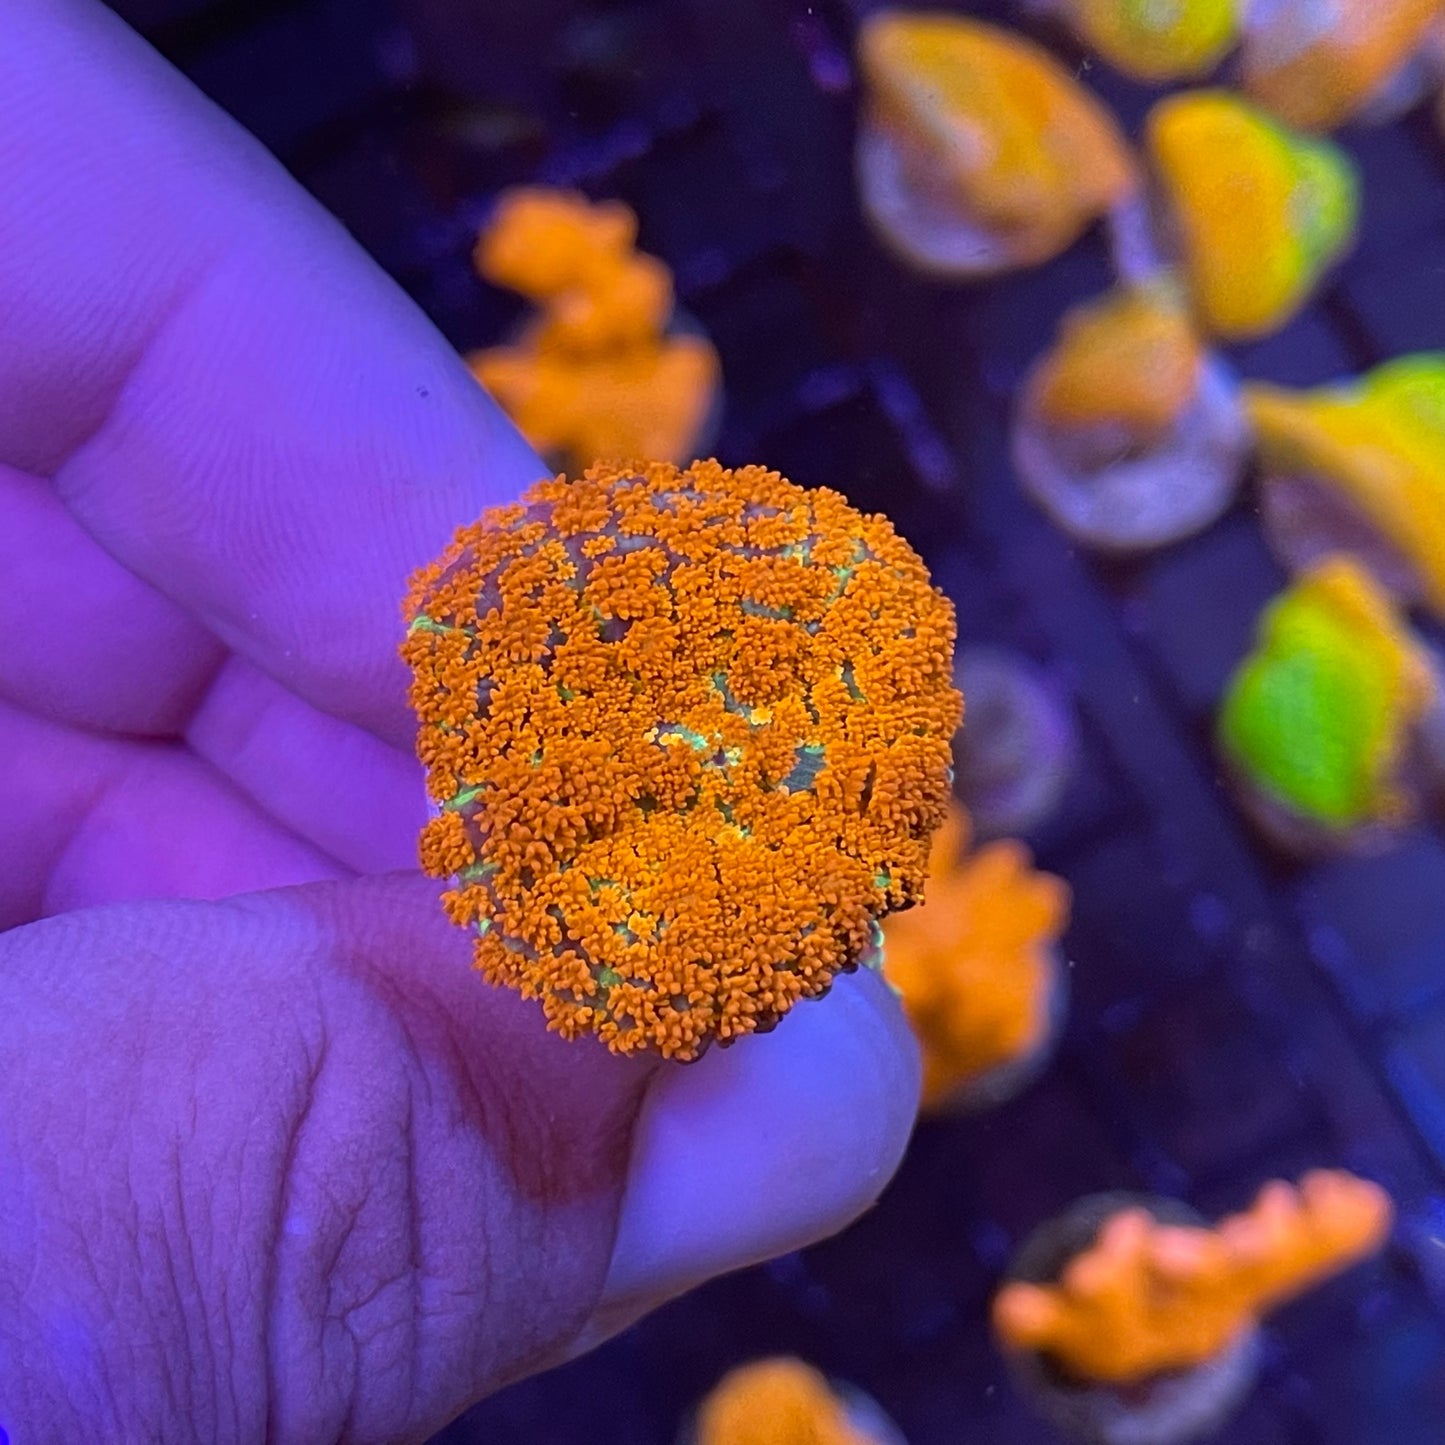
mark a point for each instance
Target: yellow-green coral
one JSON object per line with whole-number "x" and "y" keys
{"x": 1260, "y": 212}
{"x": 1157, "y": 39}
{"x": 1380, "y": 443}
{"x": 688, "y": 732}
{"x": 1318, "y": 716}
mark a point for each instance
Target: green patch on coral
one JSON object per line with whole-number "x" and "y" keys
{"x": 1311, "y": 716}
{"x": 808, "y": 762}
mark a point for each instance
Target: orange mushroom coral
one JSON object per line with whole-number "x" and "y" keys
{"x": 596, "y": 374}
{"x": 688, "y": 732}
{"x": 974, "y": 962}
{"x": 1147, "y": 1298}
{"x": 779, "y": 1401}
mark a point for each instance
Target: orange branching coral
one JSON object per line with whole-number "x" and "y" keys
{"x": 689, "y": 733}
{"x": 576, "y": 260}
{"x": 972, "y": 962}
{"x": 646, "y": 403}
{"x": 594, "y": 376}
{"x": 1148, "y": 1297}
{"x": 775, "y": 1402}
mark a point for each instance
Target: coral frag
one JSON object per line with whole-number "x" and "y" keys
{"x": 1147, "y": 1297}
{"x": 688, "y": 731}
{"x": 783, "y": 1401}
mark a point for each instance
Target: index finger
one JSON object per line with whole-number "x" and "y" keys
{"x": 226, "y": 393}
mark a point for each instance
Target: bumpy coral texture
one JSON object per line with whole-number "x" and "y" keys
{"x": 688, "y": 734}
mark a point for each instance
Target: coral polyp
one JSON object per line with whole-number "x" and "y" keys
{"x": 688, "y": 734}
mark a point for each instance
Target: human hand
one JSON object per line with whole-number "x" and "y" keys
{"x": 280, "y": 1166}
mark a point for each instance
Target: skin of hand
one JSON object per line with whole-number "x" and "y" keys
{"x": 274, "y": 1164}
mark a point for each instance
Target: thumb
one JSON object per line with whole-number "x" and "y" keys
{"x": 284, "y": 1167}
{"x": 763, "y": 1148}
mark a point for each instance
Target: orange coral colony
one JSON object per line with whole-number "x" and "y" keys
{"x": 595, "y": 376}
{"x": 973, "y": 961}
{"x": 780, "y": 1401}
{"x": 688, "y": 732}
{"x": 1147, "y": 1297}
{"x": 651, "y": 402}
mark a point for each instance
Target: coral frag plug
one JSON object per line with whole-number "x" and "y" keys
{"x": 978, "y": 152}
{"x": 1332, "y": 730}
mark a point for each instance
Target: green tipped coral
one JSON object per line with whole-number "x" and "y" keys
{"x": 1379, "y": 444}
{"x": 1157, "y": 39}
{"x": 1260, "y": 211}
{"x": 1318, "y": 716}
